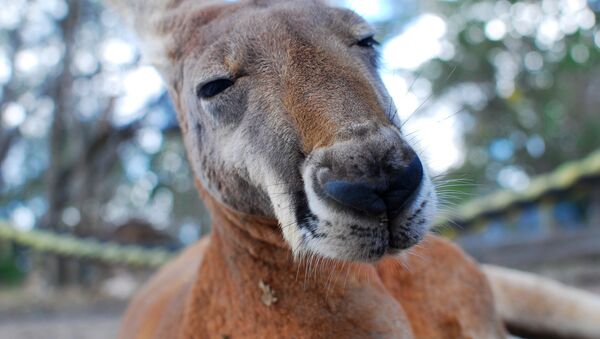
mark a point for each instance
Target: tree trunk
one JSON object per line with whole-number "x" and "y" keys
{"x": 57, "y": 175}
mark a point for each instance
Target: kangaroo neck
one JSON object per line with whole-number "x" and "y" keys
{"x": 248, "y": 270}
{"x": 247, "y": 235}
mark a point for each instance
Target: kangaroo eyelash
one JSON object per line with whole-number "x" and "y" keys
{"x": 213, "y": 88}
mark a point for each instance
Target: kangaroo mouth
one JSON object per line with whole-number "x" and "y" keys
{"x": 335, "y": 231}
{"x": 358, "y": 199}
{"x": 306, "y": 220}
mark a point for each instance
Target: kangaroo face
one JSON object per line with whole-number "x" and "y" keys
{"x": 284, "y": 115}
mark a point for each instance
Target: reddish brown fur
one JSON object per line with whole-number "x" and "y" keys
{"x": 216, "y": 288}
{"x": 211, "y": 291}
{"x": 313, "y": 79}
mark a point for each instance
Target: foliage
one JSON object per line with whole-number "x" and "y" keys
{"x": 88, "y": 138}
{"x": 525, "y": 76}
{"x": 10, "y": 273}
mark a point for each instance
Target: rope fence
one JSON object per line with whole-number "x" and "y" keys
{"x": 562, "y": 179}
{"x": 71, "y": 246}
{"x": 565, "y": 177}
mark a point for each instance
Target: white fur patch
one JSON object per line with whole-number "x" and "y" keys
{"x": 282, "y": 203}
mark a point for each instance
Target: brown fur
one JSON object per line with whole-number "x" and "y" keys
{"x": 306, "y": 98}
{"x": 312, "y": 83}
{"x": 212, "y": 291}
{"x": 243, "y": 281}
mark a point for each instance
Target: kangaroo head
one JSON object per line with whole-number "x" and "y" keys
{"x": 284, "y": 115}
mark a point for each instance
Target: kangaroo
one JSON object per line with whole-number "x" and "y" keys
{"x": 321, "y": 209}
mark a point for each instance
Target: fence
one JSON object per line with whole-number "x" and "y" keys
{"x": 554, "y": 222}
{"x": 70, "y": 246}
{"x": 474, "y": 214}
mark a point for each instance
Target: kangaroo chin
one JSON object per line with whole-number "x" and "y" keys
{"x": 352, "y": 216}
{"x": 314, "y": 192}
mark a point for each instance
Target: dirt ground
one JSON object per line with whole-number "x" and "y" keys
{"x": 61, "y": 326}
{"x": 71, "y": 314}
{"x": 79, "y": 315}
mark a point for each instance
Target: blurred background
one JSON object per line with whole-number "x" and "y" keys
{"x": 501, "y": 98}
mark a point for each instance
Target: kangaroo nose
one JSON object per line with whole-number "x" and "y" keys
{"x": 404, "y": 184}
{"x": 357, "y": 195}
{"x": 374, "y": 196}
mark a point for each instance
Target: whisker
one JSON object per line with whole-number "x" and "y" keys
{"x": 418, "y": 108}
{"x": 428, "y": 96}
{"x": 286, "y": 192}
{"x": 282, "y": 183}
{"x": 412, "y": 84}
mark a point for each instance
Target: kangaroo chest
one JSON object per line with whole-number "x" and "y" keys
{"x": 240, "y": 296}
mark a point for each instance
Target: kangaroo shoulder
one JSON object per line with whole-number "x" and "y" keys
{"x": 162, "y": 299}
{"x": 442, "y": 291}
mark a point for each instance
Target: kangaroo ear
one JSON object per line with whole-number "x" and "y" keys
{"x": 159, "y": 25}
{"x": 145, "y": 18}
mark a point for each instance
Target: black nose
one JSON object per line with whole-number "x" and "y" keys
{"x": 375, "y": 196}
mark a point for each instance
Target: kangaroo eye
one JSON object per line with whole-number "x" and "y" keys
{"x": 368, "y": 42}
{"x": 210, "y": 89}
